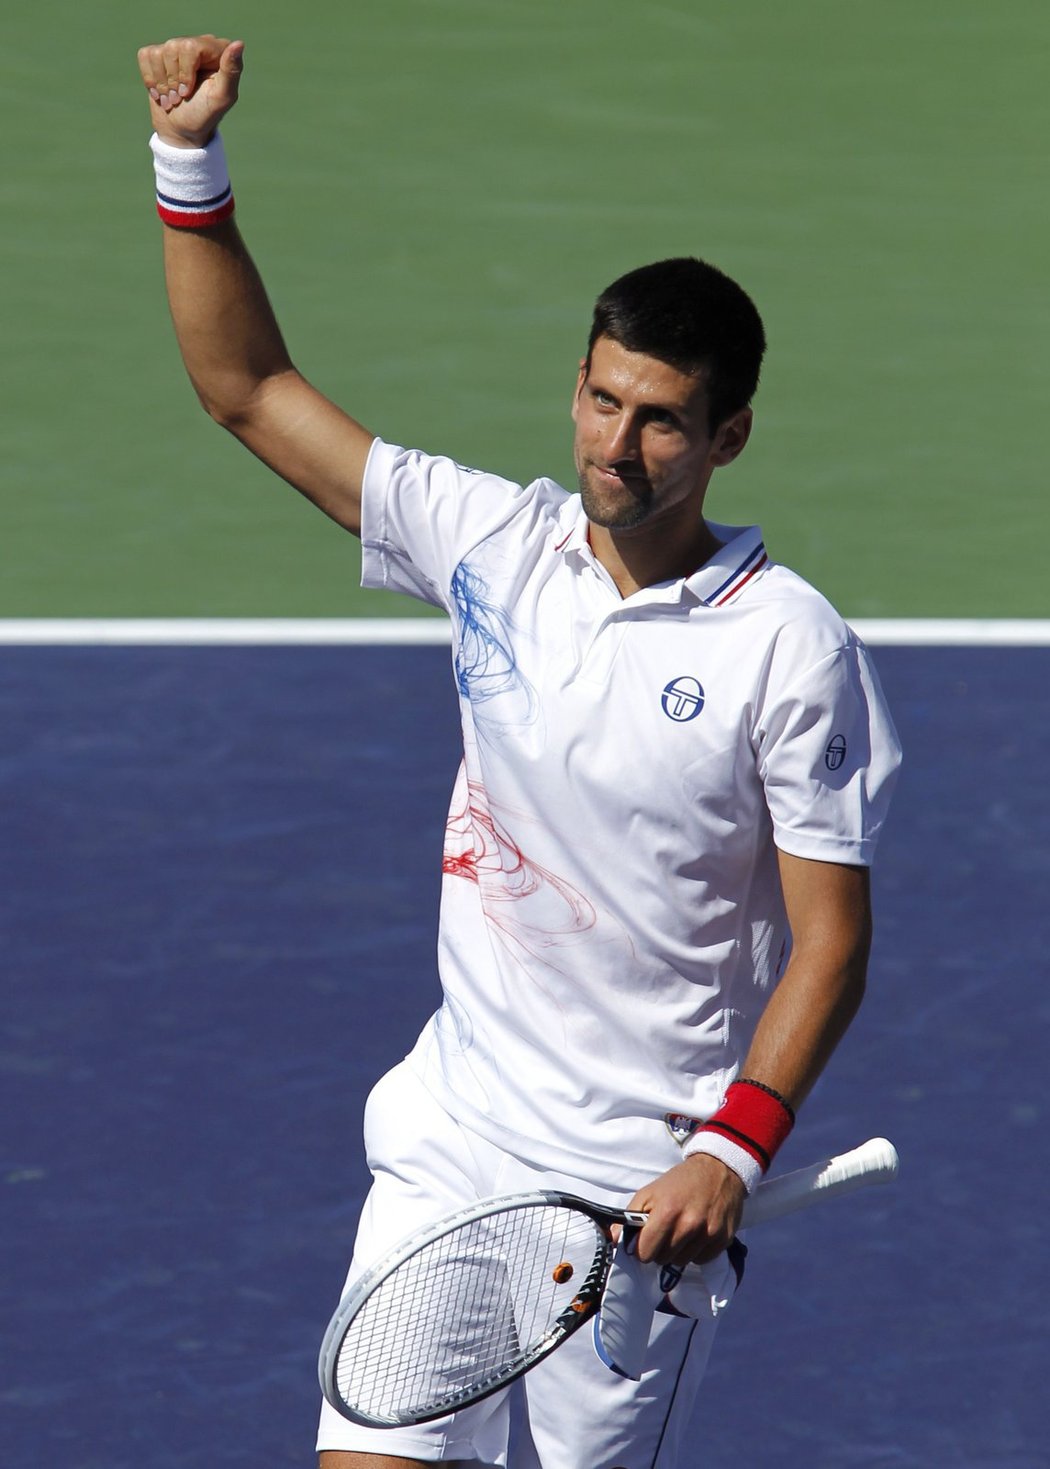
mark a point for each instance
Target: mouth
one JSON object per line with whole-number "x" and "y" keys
{"x": 615, "y": 497}
{"x": 611, "y": 475}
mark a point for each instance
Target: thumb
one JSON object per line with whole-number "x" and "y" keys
{"x": 231, "y": 65}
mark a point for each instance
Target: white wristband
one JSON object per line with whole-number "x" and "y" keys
{"x": 193, "y": 184}
{"x": 747, "y": 1169}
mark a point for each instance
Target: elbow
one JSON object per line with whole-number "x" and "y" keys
{"x": 228, "y": 412}
{"x": 235, "y": 405}
{"x": 250, "y": 405}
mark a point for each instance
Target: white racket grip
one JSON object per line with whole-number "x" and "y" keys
{"x": 875, "y": 1161}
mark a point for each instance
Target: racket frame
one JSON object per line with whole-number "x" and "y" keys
{"x": 580, "y": 1309}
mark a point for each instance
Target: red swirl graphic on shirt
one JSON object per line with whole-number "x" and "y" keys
{"x": 506, "y": 878}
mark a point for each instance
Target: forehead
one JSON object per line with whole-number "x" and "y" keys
{"x": 639, "y": 378}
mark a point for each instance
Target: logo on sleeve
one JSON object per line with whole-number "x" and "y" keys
{"x": 835, "y": 754}
{"x": 682, "y": 699}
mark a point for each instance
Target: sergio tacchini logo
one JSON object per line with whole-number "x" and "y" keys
{"x": 682, "y": 699}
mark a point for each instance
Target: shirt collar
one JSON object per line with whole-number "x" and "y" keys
{"x": 740, "y": 557}
{"x": 571, "y": 527}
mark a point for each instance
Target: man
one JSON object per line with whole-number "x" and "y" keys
{"x": 655, "y": 910}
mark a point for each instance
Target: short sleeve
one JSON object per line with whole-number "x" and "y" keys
{"x": 421, "y": 514}
{"x": 828, "y": 757}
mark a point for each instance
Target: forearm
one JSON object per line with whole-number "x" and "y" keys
{"x": 226, "y": 329}
{"x": 809, "y": 1013}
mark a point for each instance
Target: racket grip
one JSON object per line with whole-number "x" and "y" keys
{"x": 875, "y": 1161}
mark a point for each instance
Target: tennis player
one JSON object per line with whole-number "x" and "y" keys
{"x": 655, "y": 915}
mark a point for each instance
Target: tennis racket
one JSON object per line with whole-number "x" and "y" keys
{"x": 466, "y": 1305}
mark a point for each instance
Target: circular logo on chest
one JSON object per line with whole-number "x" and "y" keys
{"x": 682, "y": 699}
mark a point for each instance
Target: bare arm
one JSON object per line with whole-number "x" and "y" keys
{"x": 695, "y": 1208}
{"x": 229, "y": 339}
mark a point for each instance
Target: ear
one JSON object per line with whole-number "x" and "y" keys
{"x": 731, "y": 437}
{"x": 581, "y": 378}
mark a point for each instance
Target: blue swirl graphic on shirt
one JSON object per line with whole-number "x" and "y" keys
{"x": 486, "y": 667}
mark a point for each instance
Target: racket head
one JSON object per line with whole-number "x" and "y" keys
{"x": 462, "y": 1308}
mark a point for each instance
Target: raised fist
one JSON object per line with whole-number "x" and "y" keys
{"x": 192, "y": 82}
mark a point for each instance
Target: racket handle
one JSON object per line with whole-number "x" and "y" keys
{"x": 875, "y": 1161}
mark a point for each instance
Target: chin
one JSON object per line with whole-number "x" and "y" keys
{"x": 602, "y": 509}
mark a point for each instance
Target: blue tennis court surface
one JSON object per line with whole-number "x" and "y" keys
{"x": 220, "y": 891}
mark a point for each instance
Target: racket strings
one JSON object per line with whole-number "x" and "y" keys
{"x": 466, "y": 1311}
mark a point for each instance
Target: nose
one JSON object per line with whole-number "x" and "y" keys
{"x": 622, "y": 439}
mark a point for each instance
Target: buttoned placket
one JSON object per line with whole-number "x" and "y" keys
{"x": 598, "y": 635}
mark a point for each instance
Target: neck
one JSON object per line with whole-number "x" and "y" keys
{"x": 644, "y": 556}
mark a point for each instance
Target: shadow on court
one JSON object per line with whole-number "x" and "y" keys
{"x": 220, "y": 880}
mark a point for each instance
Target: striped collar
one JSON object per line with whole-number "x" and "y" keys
{"x": 740, "y": 558}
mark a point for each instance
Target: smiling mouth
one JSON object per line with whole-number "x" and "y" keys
{"x": 623, "y": 477}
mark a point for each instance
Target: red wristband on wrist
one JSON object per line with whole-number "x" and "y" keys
{"x": 754, "y": 1117}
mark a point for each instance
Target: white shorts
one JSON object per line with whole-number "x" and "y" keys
{"x": 569, "y": 1412}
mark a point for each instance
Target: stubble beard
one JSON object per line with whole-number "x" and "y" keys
{"x": 613, "y": 514}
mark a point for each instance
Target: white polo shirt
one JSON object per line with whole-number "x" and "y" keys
{"x": 611, "y": 916}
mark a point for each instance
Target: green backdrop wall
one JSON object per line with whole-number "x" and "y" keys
{"x": 435, "y": 193}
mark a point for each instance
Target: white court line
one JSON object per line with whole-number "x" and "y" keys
{"x": 224, "y": 631}
{"x": 380, "y": 631}
{"x": 1000, "y": 632}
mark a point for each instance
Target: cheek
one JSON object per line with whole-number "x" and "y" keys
{"x": 586, "y": 430}
{"x": 578, "y": 454}
{"x": 663, "y": 462}
{"x": 672, "y": 464}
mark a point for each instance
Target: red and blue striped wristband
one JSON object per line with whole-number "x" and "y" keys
{"x": 746, "y": 1131}
{"x": 193, "y": 184}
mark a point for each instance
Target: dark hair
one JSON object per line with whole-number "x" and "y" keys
{"x": 693, "y": 317}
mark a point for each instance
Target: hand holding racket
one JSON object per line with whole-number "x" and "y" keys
{"x": 463, "y": 1307}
